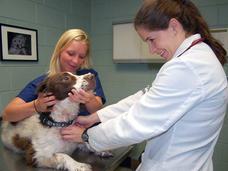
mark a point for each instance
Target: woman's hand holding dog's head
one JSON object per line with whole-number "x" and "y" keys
{"x": 44, "y": 102}
{"x": 81, "y": 96}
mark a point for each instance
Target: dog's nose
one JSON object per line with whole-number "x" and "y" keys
{"x": 90, "y": 76}
{"x": 90, "y": 81}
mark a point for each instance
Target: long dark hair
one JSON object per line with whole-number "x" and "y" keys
{"x": 156, "y": 14}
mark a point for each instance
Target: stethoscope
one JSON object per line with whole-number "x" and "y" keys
{"x": 193, "y": 44}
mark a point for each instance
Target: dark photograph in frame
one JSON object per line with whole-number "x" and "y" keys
{"x": 18, "y": 43}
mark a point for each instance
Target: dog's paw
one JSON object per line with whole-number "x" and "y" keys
{"x": 65, "y": 162}
{"x": 81, "y": 167}
{"x": 104, "y": 154}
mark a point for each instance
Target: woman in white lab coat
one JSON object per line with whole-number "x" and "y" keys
{"x": 182, "y": 113}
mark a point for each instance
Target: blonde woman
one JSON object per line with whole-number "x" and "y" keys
{"x": 71, "y": 54}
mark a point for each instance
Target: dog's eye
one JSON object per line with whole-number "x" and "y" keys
{"x": 65, "y": 78}
{"x": 84, "y": 82}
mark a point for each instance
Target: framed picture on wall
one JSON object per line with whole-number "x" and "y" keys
{"x": 18, "y": 43}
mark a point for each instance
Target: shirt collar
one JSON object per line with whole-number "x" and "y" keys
{"x": 185, "y": 44}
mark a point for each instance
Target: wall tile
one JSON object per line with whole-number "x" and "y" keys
{"x": 6, "y": 97}
{"x": 73, "y": 21}
{"x": 17, "y": 11}
{"x": 61, "y": 5}
{"x": 52, "y": 35}
{"x": 22, "y": 75}
{"x": 223, "y": 13}
{"x": 102, "y": 58}
{"x": 1, "y": 105}
{"x": 38, "y": 1}
{"x": 81, "y": 8}
{"x": 102, "y": 42}
{"x": 103, "y": 26}
{"x": 118, "y": 8}
{"x": 5, "y": 79}
{"x": 45, "y": 55}
{"x": 210, "y": 14}
{"x": 50, "y": 17}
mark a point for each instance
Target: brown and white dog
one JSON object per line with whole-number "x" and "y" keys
{"x": 38, "y": 136}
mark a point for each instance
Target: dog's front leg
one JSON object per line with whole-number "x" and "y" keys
{"x": 105, "y": 154}
{"x": 63, "y": 161}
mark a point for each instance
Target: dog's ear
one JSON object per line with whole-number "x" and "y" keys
{"x": 42, "y": 87}
{"x": 60, "y": 91}
{"x": 60, "y": 85}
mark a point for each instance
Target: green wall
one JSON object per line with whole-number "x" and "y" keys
{"x": 52, "y": 17}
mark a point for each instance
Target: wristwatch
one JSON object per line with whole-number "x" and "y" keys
{"x": 85, "y": 136}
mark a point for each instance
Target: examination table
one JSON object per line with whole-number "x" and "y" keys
{"x": 10, "y": 161}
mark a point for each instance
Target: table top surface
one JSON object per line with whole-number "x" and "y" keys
{"x": 11, "y": 161}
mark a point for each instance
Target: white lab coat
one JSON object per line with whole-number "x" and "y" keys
{"x": 180, "y": 116}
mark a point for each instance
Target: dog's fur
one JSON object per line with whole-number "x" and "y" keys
{"x": 43, "y": 145}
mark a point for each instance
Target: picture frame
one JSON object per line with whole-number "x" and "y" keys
{"x": 18, "y": 43}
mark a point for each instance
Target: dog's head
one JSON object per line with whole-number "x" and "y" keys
{"x": 62, "y": 83}
{"x": 18, "y": 41}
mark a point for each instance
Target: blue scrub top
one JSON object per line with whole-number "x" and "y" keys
{"x": 28, "y": 93}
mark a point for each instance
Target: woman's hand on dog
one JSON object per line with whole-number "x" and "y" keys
{"x": 91, "y": 102}
{"x": 44, "y": 102}
{"x": 72, "y": 133}
{"x": 81, "y": 96}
